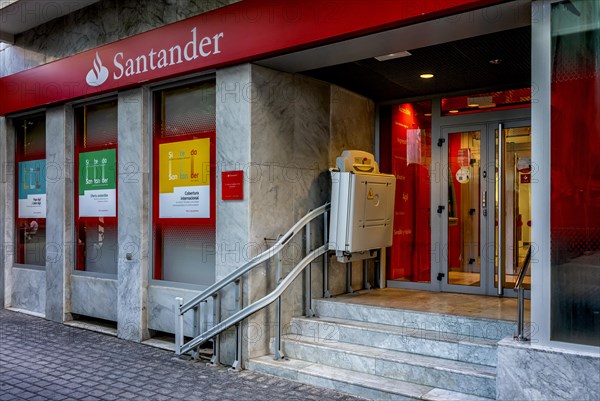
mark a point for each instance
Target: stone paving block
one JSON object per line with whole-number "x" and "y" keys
{"x": 45, "y": 360}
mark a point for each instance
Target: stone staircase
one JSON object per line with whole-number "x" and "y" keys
{"x": 391, "y": 354}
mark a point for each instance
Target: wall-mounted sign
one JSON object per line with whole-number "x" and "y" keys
{"x": 98, "y": 183}
{"x": 32, "y": 189}
{"x": 232, "y": 187}
{"x": 463, "y": 158}
{"x": 184, "y": 179}
{"x": 228, "y": 35}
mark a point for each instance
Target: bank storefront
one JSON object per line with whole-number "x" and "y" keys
{"x": 151, "y": 162}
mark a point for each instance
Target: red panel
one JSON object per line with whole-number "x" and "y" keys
{"x": 410, "y": 252}
{"x": 232, "y": 185}
{"x": 248, "y": 30}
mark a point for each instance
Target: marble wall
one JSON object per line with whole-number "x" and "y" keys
{"x": 352, "y": 127}
{"x": 28, "y": 289}
{"x": 59, "y": 211}
{"x": 94, "y": 296}
{"x": 103, "y": 22}
{"x": 298, "y": 127}
{"x": 532, "y": 372}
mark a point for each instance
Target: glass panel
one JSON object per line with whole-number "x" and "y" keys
{"x": 410, "y": 163}
{"x": 464, "y": 162}
{"x": 188, "y": 110}
{"x": 490, "y": 101}
{"x": 517, "y": 206}
{"x": 183, "y": 184}
{"x": 575, "y": 172}
{"x": 30, "y": 188}
{"x": 96, "y": 188}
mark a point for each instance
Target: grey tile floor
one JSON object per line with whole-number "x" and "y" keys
{"x": 43, "y": 360}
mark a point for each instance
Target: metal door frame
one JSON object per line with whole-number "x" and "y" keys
{"x": 487, "y": 123}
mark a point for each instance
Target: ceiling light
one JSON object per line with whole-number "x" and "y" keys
{"x": 473, "y": 105}
{"x": 453, "y": 111}
{"x": 426, "y": 75}
{"x": 392, "y": 56}
{"x": 496, "y": 61}
{"x": 427, "y": 114}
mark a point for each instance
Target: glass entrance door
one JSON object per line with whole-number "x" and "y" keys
{"x": 486, "y": 201}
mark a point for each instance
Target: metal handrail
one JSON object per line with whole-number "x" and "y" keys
{"x": 520, "y": 336}
{"x": 256, "y": 306}
{"x": 252, "y": 263}
{"x": 201, "y": 335}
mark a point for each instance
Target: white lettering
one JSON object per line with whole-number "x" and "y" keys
{"x": 178, "y": 54}
{"x": 216, "y": 39}
{"x": 137, "y": 59}
{"x": 163, "y": 58}
{"x": 191, "y": 44}
{"x": 204, "y": 42}
{"x": 118, "y": 65}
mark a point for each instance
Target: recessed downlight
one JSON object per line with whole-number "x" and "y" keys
{"x": 453, "y": 111}
{"x": 496, "y": 61}
{"x": 427, "y": 114}
{"x": 426, "y": 75}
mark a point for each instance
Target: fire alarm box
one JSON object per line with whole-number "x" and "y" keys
{"x": 362, "y": 206}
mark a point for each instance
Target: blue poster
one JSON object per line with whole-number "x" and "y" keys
{"x": 31, "y": 178}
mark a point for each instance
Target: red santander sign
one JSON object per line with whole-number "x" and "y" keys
{"x": 244, "y": 31}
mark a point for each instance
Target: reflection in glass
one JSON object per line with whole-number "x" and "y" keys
{"x": 464, "y": 261}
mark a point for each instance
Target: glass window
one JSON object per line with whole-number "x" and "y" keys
{"x": 575, "y": 172}
{"x": 183, "y": 212}
{"x": 31, "y": 191}
{"x": 407, "y": 127}
{"x": 96, "y": 188}
{"x": 490, "y": 101}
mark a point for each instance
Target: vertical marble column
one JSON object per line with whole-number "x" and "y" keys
{"x": 59, "y": 211}
{"x": 7, "y": 211}
{"x": 133, "y": 204}
{"x": 233, "y": 153}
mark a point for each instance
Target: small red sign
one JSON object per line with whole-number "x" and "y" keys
{"x": 525, "y": 178}
{"x": 232, "y": 187}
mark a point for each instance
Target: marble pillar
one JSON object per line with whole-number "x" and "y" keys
{"x": 59, "y": 211}
{"x": 233, "y": 153}
{"x": 529, "y": 371}
{"x": 7, "y": 211}
{"x": 134, "y": 237}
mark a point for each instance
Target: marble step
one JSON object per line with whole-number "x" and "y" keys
{"x": 444, "y": 373}
{"x": 452, "y": 324}
{"x": 452, "y": 346}
{"x": 354, "y": 383}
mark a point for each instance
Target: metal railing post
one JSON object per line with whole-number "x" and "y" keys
{"x": 520, "y": 336}
{"x": 366, "y": 283}
{"x": 197, "y": 330}
{"x": 178, "y": 325}
{"x": 308, "y": 276}
{"x": 326, "y": 293}
{"x": 349, "y": 289}
{"x": 237, "y": 364}
{"x": 278, "y": 355}
{"x": 216, "y": 356}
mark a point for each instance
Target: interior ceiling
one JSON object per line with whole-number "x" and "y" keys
{"x": 460, "y": 66}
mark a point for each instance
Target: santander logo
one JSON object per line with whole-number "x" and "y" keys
{"x": 129, "y": 62}
{"x": 97, "y": 75}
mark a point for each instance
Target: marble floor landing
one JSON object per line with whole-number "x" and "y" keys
{"x": 477, "y": 306}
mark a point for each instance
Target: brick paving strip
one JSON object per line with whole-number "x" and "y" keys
{"x": 43, "y": 360}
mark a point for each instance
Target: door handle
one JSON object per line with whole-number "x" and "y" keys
{"x": 440, "y": 209}
{"x": 484, "y": 200}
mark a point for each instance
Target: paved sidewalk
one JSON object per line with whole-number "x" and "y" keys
{"x": 42, "y": 360}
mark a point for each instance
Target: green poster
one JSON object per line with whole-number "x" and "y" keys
{"x": 98, "y": 183}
